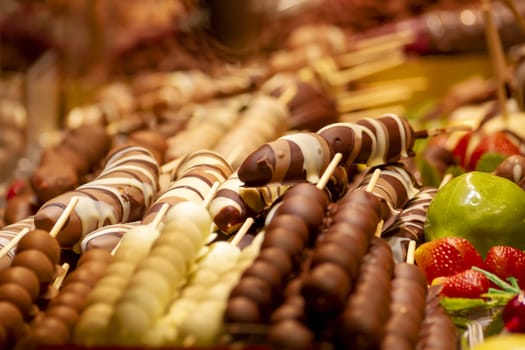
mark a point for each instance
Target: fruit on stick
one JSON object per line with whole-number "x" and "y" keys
{"x": 513, "y": 314}
{"x": 486, "y": 209}
{"x": 446, "y": 256}
{"x": 466, "y": 284}
{"x": 506, "y": 261}
{"x": 473, "y": 145}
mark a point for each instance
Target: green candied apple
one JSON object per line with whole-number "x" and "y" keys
{"x": 486, "y": 209}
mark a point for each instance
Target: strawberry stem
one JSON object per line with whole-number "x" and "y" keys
{"x": 514, "y": 282}
{"x": 510, "y": 288}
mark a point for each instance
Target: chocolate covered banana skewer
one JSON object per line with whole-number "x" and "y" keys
{"x": 410, "y": 223}
{"x": 120, "y": 193}
{"x": 233, "y": 204}
{"x": 197, "y": 174}
{"x": 295, "y": 157}
{"x": 372, "y": 141}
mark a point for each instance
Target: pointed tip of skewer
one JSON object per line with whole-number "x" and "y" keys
{"x": 373, "y": 180}
{"x": 445, "y": 180}
{"x": 329, "y": 171}
{"x": 421, "y": 134}
{"x": 59, "y": 224}
{"x": 160, "y": 215}
{"x": 242, "y": 231}
{"x": 410, "y": 252}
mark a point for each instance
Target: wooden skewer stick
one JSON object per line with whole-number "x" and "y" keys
{"x": 211, "y": 194}
{"x": 328, "y": 171}
{"x": 13, "y": 242}
{"x": 242, "y": 232}
{"x": 363, "y": 70}
{"x": 404, "y": 36}
{"x": 114, "y": 250}
{"x": 517, "y": 15}
{"x": 370, "y": 98}
{"x": 373, "y": 180}
{"x": 369, "y": 188}
{"x": 445, "y": 180}
{"x": 171, "y": 165}
{"x": 421, "y": 134}
{"x": 410, "y": 251}
{"x": 234, "y": 154}
{"x": 288, "y": 94}
{"x": 354, "y": 116}
{"x": 369, "y": 53}
{"x": 160, "y": 215}
{"x": 379, "y": 229}
{"x": 59, "y": 224}
{"x": 58, "y": 281}
{"x": 497, "y": 56}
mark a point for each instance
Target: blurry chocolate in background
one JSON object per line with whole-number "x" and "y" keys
{"x": 240, "y": 25}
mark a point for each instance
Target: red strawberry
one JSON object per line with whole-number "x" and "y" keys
{"x": 465, "y": 284}
{"x": 469, "y": 253}
{"x": 446, "y": 256}
{"x": 460, "y": 150}
{"x": 506, "y": 261}
{"x": 498, "y": 142}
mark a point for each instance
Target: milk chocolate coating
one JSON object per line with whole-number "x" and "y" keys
{"x": 20, "y": 207}
{"x": 18, "y": 296}
{"x": 119, "y": 194}
{"x": 49, "y": 331}
{"x": 153, "y": 140}
{"x": 285, "y": 240}
{"x": 359, "y": 198}
{"x": 37, "y": 262}
{"x": 22, "y": 276}
{"x": 512, "y": 168}
{"x": 256, "y": 169}
{"x": 359, "y": 217}
{"x": 67, "y": 314}
{"x": 242, "y": 310}
{"x": 267, "y": 272}
{"x": 411, "y": 272}
{"x": 86, "y": 276}
{"x": 278, "y": 258}
{"x": 301, "y": 156}
{"x": 79, "y": 288}
{"x": 95, "y": 254}
{"x": 48, "y": 183}
{"x": 292, "y": 308}
{"x": 382, "y": 140}
{"x": 3, "y": 337}
{"x": 65, "y": 157}
{"x": 290, "y": 335}
{"x": 335, "y": 254}
{"x": 256, "y": 289}
{"x": 291, "y": 223}
{"x": 309, "y": 191}
{"x": 308, "y": 210}
{"x": 69, "y": 299}
{"x": 12, "y": 320}
{"x": 310, "y": 109}
{"x": 325, "y": 288}
{"x": 90, "y": 141}
{"x": 40, "y": 240}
